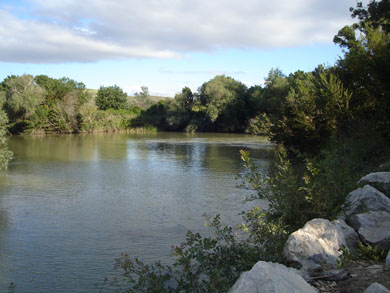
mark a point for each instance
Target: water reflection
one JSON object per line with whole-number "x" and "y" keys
{"x": 74, "y": 203}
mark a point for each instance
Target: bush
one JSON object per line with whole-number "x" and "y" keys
{"x": 203, "y": 264}
{"x": 5, "y": 154}
{"x": 111, "y": 97}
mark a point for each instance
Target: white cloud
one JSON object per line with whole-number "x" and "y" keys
{"x": 91, "y": 30}
{"x": 37, "y": 42}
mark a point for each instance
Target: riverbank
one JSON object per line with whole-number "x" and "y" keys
{"x": 149, "y": 129}
{"x": 346, "y": 255}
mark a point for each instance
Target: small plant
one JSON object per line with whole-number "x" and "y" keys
{"x": 345, "y": 257}
{"x": 368, "y": 252}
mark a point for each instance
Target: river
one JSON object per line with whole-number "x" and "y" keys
{"x": 69, "y": 205}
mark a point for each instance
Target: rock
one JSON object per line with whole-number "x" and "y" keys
{"x": 350, "y": 235}
{"x": 366, "y": 199}
{"x": 376, "y": 288}
{"x": 316, "y": 244}
{"x": 271, "y": 277}
{"x": 380, "y": 180}
{"x": 373, "y": 228}
{"x": 387, "y": 261}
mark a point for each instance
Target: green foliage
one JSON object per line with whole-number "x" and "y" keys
{"x": 288, "y": 194}
{"x": 203, "y": 264}
{"x": 143, "y": 98}
{"x": 315, "y": 109}
{"x": 365, "y": 67}
{"x": 274, "y": 93}
{"x": 88, "y": 116}
{"x": 259, "y": 125}
{"x": 5, "y": 154}
{"x": 225, "y": 101}
{"x": 345, "y": 257}
{"x": 111, "y": 97}
{"x": 56, "y": 89}
{"x": 376, "y": 13}
{"x": 312, "y": 188}
{"x": 368, "y": 252}
{"x": 185, "y": 99}
{"x": 39, "y": 121}
{"x": 23, "y": 95}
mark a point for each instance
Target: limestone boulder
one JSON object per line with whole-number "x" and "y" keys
{"x": 373, "y": 227}
{"x": 316, "y": 245}
{"x": 350, "y": 235}
{"x": 376, "y": 288}
{"x": 266, "y": 277}
{"x": 381, "y": 180}
{"x": 366, "y": 199}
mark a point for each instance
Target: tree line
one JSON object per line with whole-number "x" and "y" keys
{"x": 302, "y": 110}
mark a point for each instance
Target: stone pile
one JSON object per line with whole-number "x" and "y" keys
{"x": 316, "y": 247}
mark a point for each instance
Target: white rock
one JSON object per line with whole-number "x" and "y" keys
{"x": 266, "y": 277}
{"x": 317, "y": 243}
{"x": 376, "y": 288}
{"x": 373, "y": 228}
{"x": 387, "y": 261}
{"x": 381, "y": 180}
{"x": 366, "y": 199}
{"x": 350, "y": 235}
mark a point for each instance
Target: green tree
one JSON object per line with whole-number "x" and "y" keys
{"x": 226, "y": 104}
{"x": 5, "y": 154}
{"x": 274, "y": 93}
{"x": 64, "y": 97}
{"x": 376, "y": 13}
{"x": 365, "y": 66}
{"x": 315, "y": 109}
{"x": 143, "y": 97}
{"x": 23, "y": 95}
{"x": 111, "y": 97}
{"x": 56, "y": 89}
{"x": 88, "y": 115}
{"x": 185, "y": 99}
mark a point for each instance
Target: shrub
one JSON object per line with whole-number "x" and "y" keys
{"x": 111, "y": 97}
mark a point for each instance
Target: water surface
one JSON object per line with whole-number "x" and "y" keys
{"x": 69, "y": 205}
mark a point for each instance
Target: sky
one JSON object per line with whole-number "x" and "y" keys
{"x": 167, "y": 44}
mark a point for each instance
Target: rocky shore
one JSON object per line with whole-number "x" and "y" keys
{"x": 329, "y": 253}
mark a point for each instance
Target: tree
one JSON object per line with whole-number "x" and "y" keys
{"x": 144, "y": 91}
{"x": 274, "y": 93}
{"x": 185, "y": 99}
{"x": 315, "y": 109}
{"x": 376, "y": 13}
{"x": 143, "y": 97}
{"x": 365, "y": 67}
{"x": 57, "y": 89}
{"x": 5, "y": 154}
{"x": 225, "y": 101}
{"x": 23, "y": 95}
{"x": 111, "y": 97}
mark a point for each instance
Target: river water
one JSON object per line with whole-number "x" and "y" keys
{"x": 69, "y": 205}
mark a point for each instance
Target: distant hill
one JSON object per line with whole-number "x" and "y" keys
{"x": 151, "y": 100}
{"x": 134, "y": 100}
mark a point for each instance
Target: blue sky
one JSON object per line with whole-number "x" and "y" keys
{"x": 167, "y": 44}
